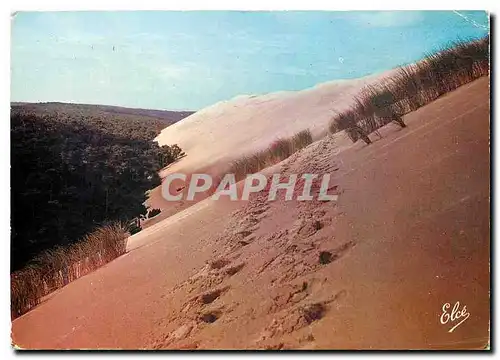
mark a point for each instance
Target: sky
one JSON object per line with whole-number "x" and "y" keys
{"x": 190, "y": 60}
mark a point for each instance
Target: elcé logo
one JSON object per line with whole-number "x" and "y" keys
{"x": 455, "y": 315}
{"x": 252, "y": 184}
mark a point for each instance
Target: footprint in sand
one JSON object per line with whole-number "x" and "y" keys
{"x": 210, "y": 296}
{"x": 294, "y": 318}
{"x": 326, "y": 257}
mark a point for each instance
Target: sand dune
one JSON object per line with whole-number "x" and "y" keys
{"x": 214, "y": 136}
{"x": 372, "y": 270}
{"x": 247, "y": 123}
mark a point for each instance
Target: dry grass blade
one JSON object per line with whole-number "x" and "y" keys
{"x": 56, "y": 268}
{"x": 412, "y": 87}
{"x": 279, "y": 150}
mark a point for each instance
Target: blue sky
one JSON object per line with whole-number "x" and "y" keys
{"x": 189, "y": 60}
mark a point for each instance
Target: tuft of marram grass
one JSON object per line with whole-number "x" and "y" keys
{"x": 412, "y": 87}
{"x": 55, "y": 268}
{"x": 301, "y": 140}
{"x": 249, "y": 164}
{"x": 279, "y": 150}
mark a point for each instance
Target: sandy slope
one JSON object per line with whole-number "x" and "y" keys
{"x": 410, "y": 232}
{"x": 225, "y": 131}
{"x": 228, "y": 129}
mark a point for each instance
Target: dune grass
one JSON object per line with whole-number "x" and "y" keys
{"x": 412, "y": 87}
{"x": 56, "y": 268}
{"x": 301, "y": 140}
{"x": 279, "y": 150}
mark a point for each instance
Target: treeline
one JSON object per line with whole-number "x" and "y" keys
{"x": 161, "y": 118}
{"x": 74, "y": 172}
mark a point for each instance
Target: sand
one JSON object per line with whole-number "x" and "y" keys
{"x": 229, "y": 129}
{"x": 409, "y": 233}
{"x": 218, "y": 134}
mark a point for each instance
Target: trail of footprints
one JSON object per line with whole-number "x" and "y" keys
{"x": 208, "y": 283}
{"x": 292, "y": 303}
{"x": 202, "y": 308}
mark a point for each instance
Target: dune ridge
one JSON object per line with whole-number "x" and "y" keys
{"x": 258, "y": 120}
